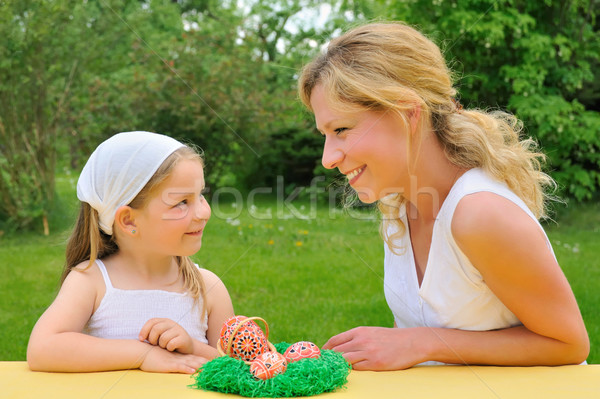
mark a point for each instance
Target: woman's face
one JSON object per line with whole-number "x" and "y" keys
{"x": 369, "y": 147}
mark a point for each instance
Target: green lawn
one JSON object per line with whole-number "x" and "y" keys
{"x": 309, "y": 278}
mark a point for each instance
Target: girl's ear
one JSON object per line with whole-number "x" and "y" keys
{"x": 125, "y": 220}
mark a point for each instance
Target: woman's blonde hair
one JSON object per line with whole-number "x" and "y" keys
{"x": 390, "y": 66}
{"x": 88, "y": 242}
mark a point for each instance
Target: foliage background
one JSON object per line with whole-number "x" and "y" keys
{"x": 223, "y": 74}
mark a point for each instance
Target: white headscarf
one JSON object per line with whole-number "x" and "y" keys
{"x": 118, "y": 170}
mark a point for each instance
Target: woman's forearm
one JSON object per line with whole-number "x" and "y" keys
{"x": 516, "y": 346}
{"x": 379, "y": 348}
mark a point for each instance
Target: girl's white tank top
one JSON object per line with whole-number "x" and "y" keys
{"x": 122, "y": 313}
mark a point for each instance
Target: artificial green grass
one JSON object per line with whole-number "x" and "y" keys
{"x": 306, "y": 377}
{"x": 308, "y": 278}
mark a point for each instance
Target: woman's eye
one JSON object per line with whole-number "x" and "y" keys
{"x": 340, "y": 130}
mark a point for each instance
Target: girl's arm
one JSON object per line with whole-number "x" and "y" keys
{"x": 219, "y": 308}
{"x": 167, "y": 334}
{"x": 511, "y": 253}
{"x": 57, "y": 343}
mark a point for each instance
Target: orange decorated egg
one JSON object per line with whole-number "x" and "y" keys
{"x": 228, "y": 328}
{"x": 247, "y": 342}
{"x": 268, "y": 365}
{"x": 301, "y": 350}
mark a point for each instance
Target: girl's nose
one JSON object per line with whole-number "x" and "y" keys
{"x": 202, "y": 209}
{"x": 332, "y": 154}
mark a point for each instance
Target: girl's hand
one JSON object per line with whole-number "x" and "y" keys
{"x": 159, "y": 360}
{"x": 379, "y": 348}
{"x": 168, "y": 335}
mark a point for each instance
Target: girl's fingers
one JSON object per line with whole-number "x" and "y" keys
{"x": 154, "y": 329}
{"x": 168, "y": 340}
{"x": 147, "y": 327}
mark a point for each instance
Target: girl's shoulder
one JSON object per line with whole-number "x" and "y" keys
{"x": 209, "y": 277}
{"x": 215, "y": 288}
{"x": 86, "y": 276}
{"x": 86, "y": 271}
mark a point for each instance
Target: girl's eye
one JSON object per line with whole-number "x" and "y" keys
{"x": 182, "y": 203}
{"x": 340, "y": 130}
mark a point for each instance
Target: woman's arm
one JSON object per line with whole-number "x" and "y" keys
{"x": 511, "y": 253}
{"x": 57, "y": 343}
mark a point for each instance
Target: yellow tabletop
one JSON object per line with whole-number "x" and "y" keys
{"x": 580, "y": 382}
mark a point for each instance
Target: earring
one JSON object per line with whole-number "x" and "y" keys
{"x": 133, "y": 231}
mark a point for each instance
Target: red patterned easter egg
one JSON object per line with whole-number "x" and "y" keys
{"x": 247, "y": 343}
{"x": 268, "y": 365}
{"x": 228, "y": 328}
{"x": 302, "y": 350}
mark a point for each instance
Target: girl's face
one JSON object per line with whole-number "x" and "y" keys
{"x": 369, "y": 147}
{"x": 173, "y": 221}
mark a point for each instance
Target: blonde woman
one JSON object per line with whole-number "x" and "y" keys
{"x": 131, "y": 297}
{"x": 470, "y": 275}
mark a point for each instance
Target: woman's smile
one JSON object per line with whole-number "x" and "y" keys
{"x": 353, "y": 175}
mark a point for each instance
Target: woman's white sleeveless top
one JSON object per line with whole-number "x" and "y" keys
{"x": 122, "y": 313}
{"x": 453, "y": 293}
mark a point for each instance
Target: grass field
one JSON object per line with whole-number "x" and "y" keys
{"x": 309, "y": 278}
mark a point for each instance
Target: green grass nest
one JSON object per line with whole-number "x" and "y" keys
{"x": 306, "y": 377}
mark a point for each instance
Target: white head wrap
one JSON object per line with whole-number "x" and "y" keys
{"x": 118, "y": 170}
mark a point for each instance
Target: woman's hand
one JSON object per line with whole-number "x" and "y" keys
{"x": 168, "y": 335}
{"x": 379, "y": 348}
{"x": 159, "y": 360}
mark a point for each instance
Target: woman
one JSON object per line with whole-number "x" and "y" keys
{"x": 470, "y": 275}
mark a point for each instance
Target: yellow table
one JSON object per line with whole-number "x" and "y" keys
{"x": 464, "y": 382}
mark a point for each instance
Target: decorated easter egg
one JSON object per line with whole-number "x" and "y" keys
{"x": 268, "y": 365}
{"x": 247, "y": 341}
{"x": 301, "y": 350}
{"x": 228, "y": 328}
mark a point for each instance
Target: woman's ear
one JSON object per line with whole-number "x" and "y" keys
{"x": 125, "y": 220}
{"x": 414, "y": 117}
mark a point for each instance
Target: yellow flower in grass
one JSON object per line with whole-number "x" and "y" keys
{"x": 271, "y": 242}
{"x": 298, "y": 243}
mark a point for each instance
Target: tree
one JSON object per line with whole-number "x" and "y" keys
{"x": 64, "y": 67}
{"x": 33, "y": 94}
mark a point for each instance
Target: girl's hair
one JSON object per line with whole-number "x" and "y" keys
{"x": 88, "y": 242}
{"x": 392, "y": 67}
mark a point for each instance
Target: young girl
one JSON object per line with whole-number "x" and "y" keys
{"x": 470, "y": 275}
{"x": 131, "y": 297}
